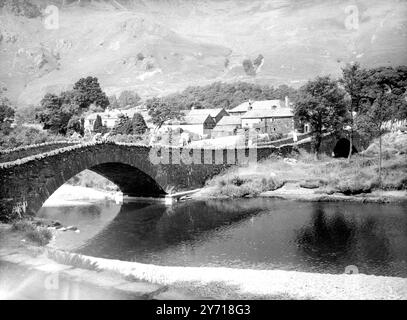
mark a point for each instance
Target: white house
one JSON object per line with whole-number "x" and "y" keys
{"x": 110, "y": 117}
{"x": 201, "y": 124}
{"x": 217, "y": 114}
{"x": 242, "y": 108}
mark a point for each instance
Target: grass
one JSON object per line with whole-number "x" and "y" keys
{"x": 231, "y": 185}
{"x": 330, "y": 175}
{"x": 72, "y": 259}
{"x": 36, "y": 234}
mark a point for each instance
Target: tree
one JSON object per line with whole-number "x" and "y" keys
{"x": 6, "y": 114}
{"x": 160, "y": 111}
{"x": 114, "y": 104}
{"x": 139, "y": 125}
{"x": 87, "y": 91}
{"x": 76, "y": 124}
{"x": 98, "y": 125}
{"x": 55, "y": 114}
{"x": 123, "y": 126}
{"x": 352, "y": 81}
{"x": 321, "y": 103}
{"x": 248, "y": 67}
{"x": 128, "y": 98}
{"x": 383, "y": 94}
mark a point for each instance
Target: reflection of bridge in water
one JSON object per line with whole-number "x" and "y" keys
{"x": 255, "y": 233}
{"x": 141, "y": 228}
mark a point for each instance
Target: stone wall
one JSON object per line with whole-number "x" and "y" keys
{"x": 27, "y": 183}
{"x": 281, "y": 125}
{"x": 26, "y": 151}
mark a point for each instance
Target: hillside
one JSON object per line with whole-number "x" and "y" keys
{"x": 156, "y": 47}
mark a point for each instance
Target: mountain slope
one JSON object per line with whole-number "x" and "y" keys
{"x": 156, "y": 47}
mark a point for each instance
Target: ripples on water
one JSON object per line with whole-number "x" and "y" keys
{"x": 245, "y": 233}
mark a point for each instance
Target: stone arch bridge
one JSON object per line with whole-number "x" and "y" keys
{"x": 30, "y": 176}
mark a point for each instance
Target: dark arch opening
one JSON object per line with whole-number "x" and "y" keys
{"x": 131, "y": 180}
{"x": 341, "y": 149}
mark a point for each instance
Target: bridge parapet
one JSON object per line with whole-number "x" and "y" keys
{"x": 9, "y": 155}
{"x": 137, "y": 169}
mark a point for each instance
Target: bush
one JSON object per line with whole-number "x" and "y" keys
{"x": 40, "y": 236}
{"x": 36, "y": 234}
{"x": 22, "y": 225}
{"x": 233, "y": 186}
{"x": 24, "y": 136}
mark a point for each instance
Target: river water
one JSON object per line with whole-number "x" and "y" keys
{"x": 244, "y": 233}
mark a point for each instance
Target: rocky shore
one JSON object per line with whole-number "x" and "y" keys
{"x": 115, "y": 279}
{"x": 293, "y": 191}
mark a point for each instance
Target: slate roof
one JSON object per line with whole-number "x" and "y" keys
{"x": 229, "y": 121}
{"x": 269, "y": 113}
{"x": 212, "y": 112}
{"x": 264, "y": 104}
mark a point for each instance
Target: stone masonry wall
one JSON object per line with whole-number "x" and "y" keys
{"x": 27, "y": 183}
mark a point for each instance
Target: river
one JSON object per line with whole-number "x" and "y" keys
{"x": 244, "y": 233}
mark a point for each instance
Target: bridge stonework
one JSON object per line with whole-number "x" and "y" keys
{"x": 27, "y": 183}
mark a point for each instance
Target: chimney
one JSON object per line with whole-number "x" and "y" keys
{"x": 287, "y": 103}
{"x": 250, "y": 105}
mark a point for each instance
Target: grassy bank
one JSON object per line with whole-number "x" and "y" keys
{"x": 326, "y": 175}
{"x": 24, "y": 231}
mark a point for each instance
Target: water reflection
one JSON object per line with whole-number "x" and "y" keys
{"x": 141, "y": 229}
{"x": 326, "y": 237}
{"x": 247, "y": 233}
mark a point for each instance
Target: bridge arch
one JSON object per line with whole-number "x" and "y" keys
{"x": 341, "y": 148}
{"x": 27, "y": 185}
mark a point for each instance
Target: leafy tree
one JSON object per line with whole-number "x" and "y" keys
{"x": 139, "y": 125}
{"x": 98, "y": 125}
{"x": 87, "y": 91}
{"x": 76, "y": 124}
{"x": 160, "y": 111}
{"x": 24, "y": 136}
{"x": 114, "y": 104}
{"x": 6, "y": 114}
{"x": 123, "y": 126}
{"x": 285, "y": 91}
{"x": 321, "y": 103}
{"x": 55, "y": 115}
{"x": 353, "y": 80}
{"x": 225, "y": 95}
{"x": 383, "y": 95}
{"x": 128, "y": 98}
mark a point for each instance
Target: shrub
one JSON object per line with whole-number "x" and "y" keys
{"x": 22, "y": 225}
{"x": 40, "y": 236}
{"x": 23, "y": 136}
{"x": 36, "y": 234}
{"x": 232, "y": 186}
